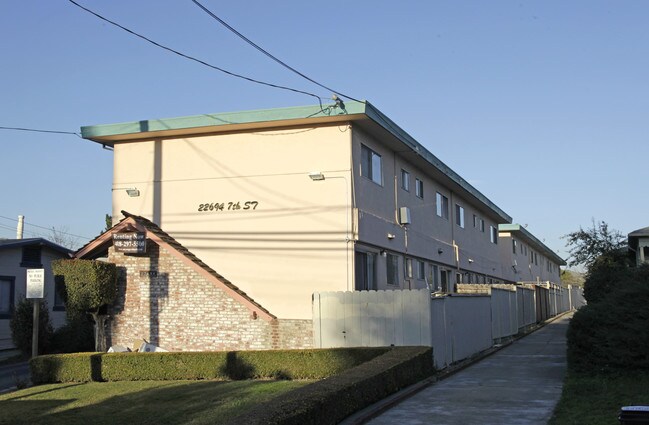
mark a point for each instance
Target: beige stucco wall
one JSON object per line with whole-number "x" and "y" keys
{"x": 428, "y": 233}
{"x": 10, "y": 260}
{"x": 294, "y": 242}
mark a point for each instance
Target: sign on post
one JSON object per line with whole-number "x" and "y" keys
{"x": 35, "y": 283}
{"x": 35, "y": 291}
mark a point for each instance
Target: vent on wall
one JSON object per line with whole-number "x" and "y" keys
{"x": 404, "y": 215}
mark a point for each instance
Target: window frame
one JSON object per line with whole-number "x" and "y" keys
{"x": 11, "y": 281}
{"x": 392, "y": 276}
{"x": 405, "y": 180}
{"x": 493, "y": 235}
{"x": 441, "y": 205}
{"x": 29, "y": 259}
{"x": 368, "y": 170}
{"x": 459, "y": 215}
{"x": 419, "y": 188}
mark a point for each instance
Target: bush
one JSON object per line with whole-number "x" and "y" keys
{"x": 612, "y": 334}
{"x": 22, "y": 324}
{"x": 280, "y": 364}
{"x": 332, "y": 399}
{"x": 607, "y": 274}
{"x": 75, "y": 336}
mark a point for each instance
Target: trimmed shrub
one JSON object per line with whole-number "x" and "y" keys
{"x": 75, "y": 336}
{"x": 332, "y": 399}
{"x": 280, "y": 364}
{"x": 607, "y": 274}
{"x": 22, "y": 324}
{"x": 612, "y": 334}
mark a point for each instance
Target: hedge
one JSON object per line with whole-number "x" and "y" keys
{"x": 277, "y": 364}
{"x": 331, "y": 400}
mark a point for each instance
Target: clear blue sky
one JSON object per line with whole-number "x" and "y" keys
{"x": 541, "y": 105}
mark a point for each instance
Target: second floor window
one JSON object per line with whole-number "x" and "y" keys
{"x": 459, "y": 215}
{"x": 442, "y": 205}
{"x": 405, "y": 180}
{"x": 419, "y": 188}
{"x": 371, "y": 165}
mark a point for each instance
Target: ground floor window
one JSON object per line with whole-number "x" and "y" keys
{"x": 392, "y": 269}
{"x": 7, "y": 287}
{"x": 365, "y": 271}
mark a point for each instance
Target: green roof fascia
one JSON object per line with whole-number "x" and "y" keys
{"x": 102, "y": 133}
{"x": 96, "y": 132}
{"x": 378, "y": 117}
{"x": 522, "y": 231}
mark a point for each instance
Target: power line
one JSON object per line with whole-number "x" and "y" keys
{"x": 256, "y": 46}
{"x": 169, "y": 49}
{"x": 46, "y": 228}
{"x": 37, "y": 130}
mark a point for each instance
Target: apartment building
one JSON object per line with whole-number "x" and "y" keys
{"x": 287, "y": 202}
{"x": 525, "y": 258}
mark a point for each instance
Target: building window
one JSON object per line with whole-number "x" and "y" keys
{"x": 31, "y": 256}
{"x": 442, "y": 205}
{"x": 514, "y": 246}
{"x": 493, "y": 234}
{"x": 371, "y": 165}
{"x": 433, "y": 280}
{"x": 59, "y": 294}
{"x": 419, "y": 188}
{"x": 482, "y": 225}
{"x": 421, "y": 270}
{"x": 536, "y": 259}
{"x": 7, "y": 287}
{"x": 475, "y": 221}
{"x": 407, "y": 267}
{"x": 392, "y": 269}
{"x": 405, "y": 180}
{"x": 459, "y": 215}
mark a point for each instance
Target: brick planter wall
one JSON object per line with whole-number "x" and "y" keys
{"x": 164, "y": 301}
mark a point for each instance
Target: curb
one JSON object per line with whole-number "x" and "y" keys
{"x": 374, "y": 410}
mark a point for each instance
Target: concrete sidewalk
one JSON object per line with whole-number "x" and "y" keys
{"x": 519, "y": 384}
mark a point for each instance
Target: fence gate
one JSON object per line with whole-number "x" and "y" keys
{"x": 372, "y": 318}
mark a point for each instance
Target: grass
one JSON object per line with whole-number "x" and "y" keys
{"x": 141, "y": 402}
{"x": 597, "y": 399}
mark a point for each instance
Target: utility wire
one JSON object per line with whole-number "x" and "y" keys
{"x": 46, "y": 228}
{"x": 36, "y": 130}
{"x": 256, "y": 46}
{"x": 169, "y": 49}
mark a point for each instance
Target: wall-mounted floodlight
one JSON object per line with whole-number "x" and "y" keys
{"x": 316, "y": 176}
{"x": 133, "y": 192}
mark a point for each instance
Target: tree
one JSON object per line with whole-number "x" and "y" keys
{"x": 89, "y": 287}
{"x": 60, "y": 236}
{"x": 589, "y": 244}
{"x": 109, "y": 222}
{"x": 572, "y": 277}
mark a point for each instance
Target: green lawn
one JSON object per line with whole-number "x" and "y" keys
{"x": 597, "y": 400}
{"x": 141, "y": 402}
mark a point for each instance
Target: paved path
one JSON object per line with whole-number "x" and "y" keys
{"x": 519, "y": 384}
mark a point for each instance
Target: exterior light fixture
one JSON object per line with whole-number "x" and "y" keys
{"x": 391, "y": 236}
{"x": 440, "y": 251}
{"x": 316, "y": 176}
{"x": 133, "y": 193}
{"x": 470, "y": 260}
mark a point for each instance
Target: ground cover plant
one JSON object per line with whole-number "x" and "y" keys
{"x": 597, "y": 399}
{"x": 141, "y": 402}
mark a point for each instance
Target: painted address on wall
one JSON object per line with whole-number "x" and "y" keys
{"x": 130, "y": 242}
{"x": 228, "y": 206}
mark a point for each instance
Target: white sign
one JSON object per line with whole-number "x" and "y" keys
{"x": 35, "y": 283}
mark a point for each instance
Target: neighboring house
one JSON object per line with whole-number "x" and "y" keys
{"x": 16, "y": 256}
{"x": 170, "y": 298}
{"x": 524, "y": 258}
{"x": 639, "y": 245}
{"x": 287, "y": 202}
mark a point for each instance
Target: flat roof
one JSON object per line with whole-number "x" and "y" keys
{"x": 362, "y": 112}
{"x": 524, "y": 234}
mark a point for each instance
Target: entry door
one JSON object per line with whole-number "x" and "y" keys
{"x": 365, "y": 278}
